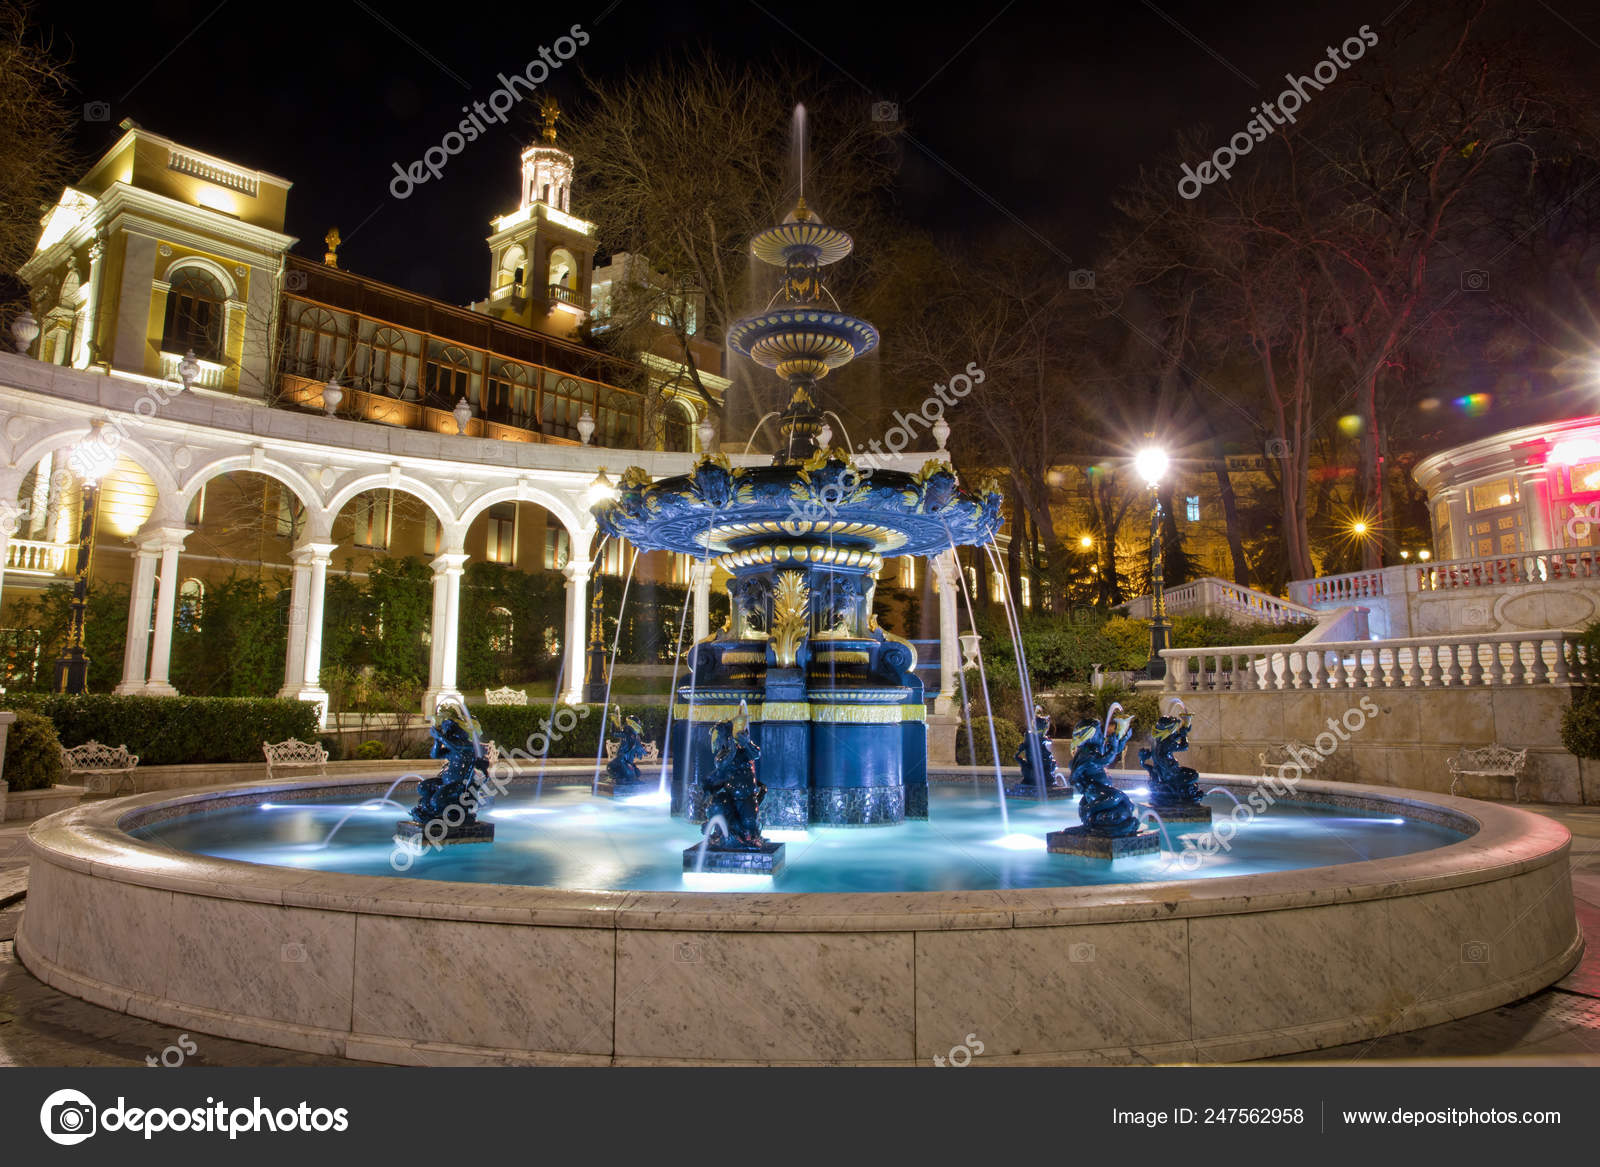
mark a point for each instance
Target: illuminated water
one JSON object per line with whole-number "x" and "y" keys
{"x": 569, "y": 839}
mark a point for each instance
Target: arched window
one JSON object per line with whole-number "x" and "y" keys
{"x": 195, "y": 307}
{"x": 509, "y": 397}
{"x": 388, "y": 364}
{"x": 318, "y": 345}
{"x": 191, "y": 598}
{"x": 449, "y": 375}
{"x": 677, "y": 427}
{"x": 501, "y": 628}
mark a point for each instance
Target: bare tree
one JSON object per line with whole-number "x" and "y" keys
{"x": 36, "y": 159}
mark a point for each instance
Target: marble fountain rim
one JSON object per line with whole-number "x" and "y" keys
{"x": 1503, "y": 842}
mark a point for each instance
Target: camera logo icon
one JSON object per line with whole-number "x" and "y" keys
{"x": 1080, "y": 279}
{"x": 885, "y": 111}
{"x": 1475, "y": 952}
{"x": 97, "y": 111}
{"x": 1277, "y": 448}
{"x": 687, "y": 953}
{"x": 1474, "y": 280}
{"x": 67, "y": 1117}
{"x": 294, "y": 281}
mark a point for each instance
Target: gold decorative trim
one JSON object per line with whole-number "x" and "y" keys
{"x": 744, "y": 658}
{"x": 800, "y": 553}
{"x": 791, "y": 600}
{"x": 839, "y": 655}
{"x": 786, "y": 711}
{"x": 856, "y": 714}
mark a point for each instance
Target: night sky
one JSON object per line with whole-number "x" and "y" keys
{"x": 1032, "y": 112}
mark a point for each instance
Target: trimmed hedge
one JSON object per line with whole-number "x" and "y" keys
{"x": 171, "y": 731}
{"x": 1580, "y": 728}
{"x": 33, "y": 753}
{"x": 1006, "y": 735}
{"x": 572, "y": 733}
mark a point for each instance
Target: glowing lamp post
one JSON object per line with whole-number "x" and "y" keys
{"x": 72, "y": 667}
{"x": 594, "y": 673}
{"x": 1150, "y": 464}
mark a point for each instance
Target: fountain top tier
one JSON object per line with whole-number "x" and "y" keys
{"x": 814, "y": 505}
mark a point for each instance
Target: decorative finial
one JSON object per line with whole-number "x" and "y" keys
{"x": 332, "y": 240}
{"x": 551, "y": 109}
{"x": 802, "y": 213}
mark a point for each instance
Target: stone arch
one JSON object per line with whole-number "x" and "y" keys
{"x": 576, "y": 523}
{"x": 230, "y": 285}
{"x": 308, "y": 495}
{"x": 452, "y": 529}
{"x": 135, "y": 451}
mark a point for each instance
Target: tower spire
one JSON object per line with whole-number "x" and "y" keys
{"x": 550, "y": 108}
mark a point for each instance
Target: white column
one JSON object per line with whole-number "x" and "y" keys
{"x": 170, "y": 542}
{"x": 302, "y": 666}
{"x": 82, "y": 347}
{"x": 577, "y": 573}
{"x": 1460, "y": 538}
{"x": 136, "y": 648}
{"x": 945, "y": 568}
{"x": 700, "y": 579}
{"x": 1533, "y": 483}
{"x": 447, "y": 569}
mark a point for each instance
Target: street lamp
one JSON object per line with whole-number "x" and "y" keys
{"x": 72, "y": 667}
{"x": 1151, "y": 464}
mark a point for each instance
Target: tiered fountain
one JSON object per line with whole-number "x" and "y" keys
{"x": 832, "y": 699}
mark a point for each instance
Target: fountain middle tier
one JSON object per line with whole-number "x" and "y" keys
{"x": 834, "y": 701}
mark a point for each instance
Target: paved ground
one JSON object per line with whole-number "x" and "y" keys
{"x": 1559, "y": 1026}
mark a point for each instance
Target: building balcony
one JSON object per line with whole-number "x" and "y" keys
{"x": 38, "y": 557}
{"x": 572, "y": 297}
{"x": 210, "y": 371}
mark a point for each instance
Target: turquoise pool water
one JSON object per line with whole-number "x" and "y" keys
{"x": 566, "y": 838}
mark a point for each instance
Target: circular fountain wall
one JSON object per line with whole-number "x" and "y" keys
{"x": 418, "y": 970}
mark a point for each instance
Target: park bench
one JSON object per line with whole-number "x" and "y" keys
{"x": 1274, "y": 759}
{"x": 294, "y": 754}
{"x": 104, "y": 769}
{"x": 505, "y": 696}
{"x": 1489, "y": 762}
{"x": 652, "y": 752}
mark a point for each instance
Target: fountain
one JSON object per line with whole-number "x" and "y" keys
{"x": 831, "y": 698}
{"x": 590, "y": 935}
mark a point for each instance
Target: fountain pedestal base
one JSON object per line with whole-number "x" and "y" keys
{"x": 767, "y": 861}
{"x": 1029, "y": 790}
{"x": 609, "y": 789}
{"x": 415, "y": 834}
{"x": 1082, "y": 841}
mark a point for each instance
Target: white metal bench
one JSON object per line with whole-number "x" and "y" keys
{"x": 1489, "y": 762}
{"x": 652, "y": 752}
{"x": 105, "y": 769}
{"x": 505, "y": 696}
{"x": 294, "y": 754}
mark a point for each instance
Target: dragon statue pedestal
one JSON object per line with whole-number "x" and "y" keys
{"x": 1036, "y": 759}
{"x": 1109, "y": 826}
{"x": 448, "y": 803}
{"x": 732, "y": 841}
{"x": 1174, "y": 787}
{"x": 623, "y": 777}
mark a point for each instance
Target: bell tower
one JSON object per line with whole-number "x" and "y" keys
{"x": 542, "y": 255}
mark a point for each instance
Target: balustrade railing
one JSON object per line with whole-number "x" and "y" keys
{"x": 1547, "y": 657}
{"x": 34, "y": 555}
{"x": 1531, "y": 567}
{"x": 1211, "y": 596}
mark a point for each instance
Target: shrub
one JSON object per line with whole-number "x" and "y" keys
{"x": 169, "y": 731}
{"x": 1006, "y": 735}
{"x": 1584, "y": 658}
{"x": 1580, "y": 729}
{"x": 33, "y": 753}
{"x": 371, "y": 751}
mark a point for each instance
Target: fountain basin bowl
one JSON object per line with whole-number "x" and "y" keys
{"x": 411, "y": 971}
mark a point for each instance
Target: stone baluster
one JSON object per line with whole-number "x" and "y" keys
{"x": 1454, "y": 674}
{"x": 1558, "y": 667}
{"x": 1541, "y": 671}
{"x": 1518, "y": 674}
{"x": 1474, "y": 663}
{"x": 1497, "y": 662}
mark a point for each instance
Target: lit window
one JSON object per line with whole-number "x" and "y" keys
{"x": 372, "y": 511}
{"x": 288, "y": 519}
{"x": 191, "y": 595}
{"x": 500, "y": 630}
{"x": 908, "y": 572}
{"x": 502, "y": 541}
{"x": 1025, "y": 590}
{"x": 1191, "y": 508}
{"x": 556, "y": 548}
{"x": 972, "y": 580}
